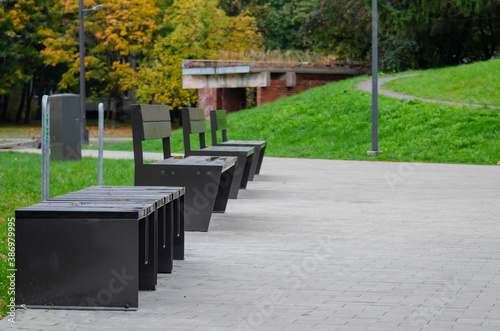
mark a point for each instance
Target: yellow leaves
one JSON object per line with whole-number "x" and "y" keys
{"x": 201, "y": 30}
{"x": 18, "y": 73}
{"x": 45, "y": 32}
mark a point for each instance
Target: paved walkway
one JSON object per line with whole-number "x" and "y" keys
{"x": 367, "y": 86}
{"x": 330, "y": 245}
{"x": 94, "y": 153}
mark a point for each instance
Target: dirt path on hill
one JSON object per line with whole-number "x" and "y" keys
{"x": 367, "y": 86}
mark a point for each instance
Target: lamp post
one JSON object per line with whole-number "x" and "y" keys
{"x": 374, "y": 151}
{"x": 81, "y": 13}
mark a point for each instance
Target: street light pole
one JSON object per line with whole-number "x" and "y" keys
{"x": 81, "y": 35}
{"x": 83, "y": 131}
{"x": 374, "y": 151}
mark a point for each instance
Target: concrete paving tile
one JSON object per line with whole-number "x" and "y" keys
{"x": 336, "y": 249}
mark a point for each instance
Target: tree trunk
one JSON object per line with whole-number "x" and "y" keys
{"x": 29, "y": 98}
{"x": 40, "y": 89}
{"x": 110, "y": 123}
{"x": 21, "y": 105}
{"x": 118, "y": 106}
{"x": 5, "y": 105}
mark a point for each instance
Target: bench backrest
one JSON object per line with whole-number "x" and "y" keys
{"x": 193, "y": 121}
{"x": 150, "y": 122}
{"x": 155, "y": 120}
{"x": 218, "y": 121}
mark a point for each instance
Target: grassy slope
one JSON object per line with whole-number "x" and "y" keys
{"x": 334, "y": 122}
{"x": 478, "y": 82}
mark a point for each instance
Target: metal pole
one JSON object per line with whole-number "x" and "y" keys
{"x": 101, "y": 134}
{"x": 81, "y": 34}
{"x": 45, "y": 148}
{"x": 374, "y": 76}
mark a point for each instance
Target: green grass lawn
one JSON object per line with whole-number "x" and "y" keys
{"x": 8, "y": 130}
{"x": 334, "y": 122}
{"x": 478, "y": 82}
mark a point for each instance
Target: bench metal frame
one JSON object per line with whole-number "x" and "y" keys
{"x": 193, "y": 122}
{"x": 218, "y": 122}
{"x": 207, "y": 179}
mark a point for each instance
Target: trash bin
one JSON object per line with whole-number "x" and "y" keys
{"x": 65, "y": 127}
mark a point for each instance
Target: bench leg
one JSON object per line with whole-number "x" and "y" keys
{"x": 241, "y": 173}
{"x": 255, "y": 162}
{"x": 200, "y": 200}
{"x": 148, "y": 272}
{"x": 225, "y": 188}
{"x": 247, "y": 171}
{"x": 202, "y": 189}
{"x": 166, "y": 233}
{"x": 261, "y": 157}
{"x": 179, "y": 229}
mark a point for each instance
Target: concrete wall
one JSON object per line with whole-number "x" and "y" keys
{"x": 233, "y": 99}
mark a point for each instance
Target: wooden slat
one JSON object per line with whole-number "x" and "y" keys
{"x": 198, "y": 126}
{"x": 196, "y": 114}
{"x": 155, "y": 113}
{"x": 221, "y": 124}
{"x": 157, "y": 130}
{"x": 221, "y": 114}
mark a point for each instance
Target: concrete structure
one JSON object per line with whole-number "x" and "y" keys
{"x": 223, "y": 84}
{"x": 65, "y": 126}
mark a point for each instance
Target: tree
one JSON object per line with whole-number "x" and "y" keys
{"x": 340, "y": 26}
{"x": 412, "y": 33}
{"x": 238, "y": 7}
{"x": 432, "y": 33}
{"x": 280, "y": 21}
{"x": 116, "y": 36}
{"x": 22, "y": 23}
{"x": 200, "y": 29}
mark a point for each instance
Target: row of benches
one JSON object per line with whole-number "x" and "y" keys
{"x": 97, "y": 247}
{"x": 210, "y": 174}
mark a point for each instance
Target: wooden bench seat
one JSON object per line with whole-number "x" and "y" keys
{"x": 77, "y": 250}
{"x": 169, "y": 203}
{"x": 81, "y": 255}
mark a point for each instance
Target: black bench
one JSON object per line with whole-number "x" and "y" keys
{"x": 170, "y": 219}
{"x": 218, "y": 121}
{"x": 92, "y": 249}
{"x": 207, "y": 178}
{"x": 193, "y": 122}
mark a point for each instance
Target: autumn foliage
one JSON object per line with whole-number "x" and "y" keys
{"x": 139, "y": 45}
{"x": 201, "y": 30}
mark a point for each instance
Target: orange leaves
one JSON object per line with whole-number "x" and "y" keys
{"x": 114, "y": 34}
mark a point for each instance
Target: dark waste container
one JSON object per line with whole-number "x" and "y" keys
{"x": 65, "y": 127}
